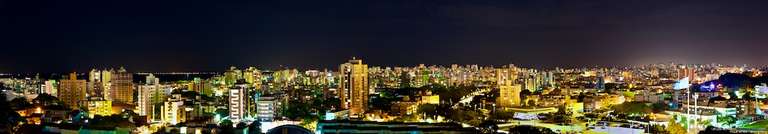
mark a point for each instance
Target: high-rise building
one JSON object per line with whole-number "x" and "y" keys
{"x": 509, "y": 91}
{"x": 151, "y": 80}
{"x": 150, "y": 95}
{"x": 72, "y": 91}
{"x": 200, "y": 86}
{"x": 238, "y": 101}
{"x": 99, "y": 83}
{"x": 94, "y": 75}
{"x": 51, "y": 87}
{"x": 353, "y": 87}
{"x": 173, "y": 110}
{"x": 121, "y": 90}
{"x": 252, "y": 76}
{"x": 232, "y": 75}
{"x": 687, "y": 72}
{"x": 532, "y": 80}
{"x": 95, "y": 89}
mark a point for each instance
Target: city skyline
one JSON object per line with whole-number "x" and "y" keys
{"x": 163, "y": 36}
{"x": 394, "y": 66}
{"x": 456, "y": 99}
{"x": 84, "y": 71}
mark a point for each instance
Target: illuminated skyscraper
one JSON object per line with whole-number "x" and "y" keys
{"x": 72, "y": 91}
{"x": 200, "y": 86}
{"x": 252, "y": 76}
{"x": 532, "y": 80}
{"x": 99, "y": 83}
{"x": 238, "y": 101}
{"x": 94, "y": 75}
{"x": 509, "y": 91}
{"x": 353, "y": 87}
{"x": 150, "y": 95}
{"x": 232, "y": 75}
{"x": 121, "y": 90}
{"x": 689, "y": 72}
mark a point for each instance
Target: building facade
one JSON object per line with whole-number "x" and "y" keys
{"x": 150, "y": 96}
{"x": 72, "y": 91}
{"x": 353, "y": 87}
{"x": 509, "y": 91}
{"x": 121, "y": 90}
{"x": 266, "y": 109}
{"x": 238, "y": 100}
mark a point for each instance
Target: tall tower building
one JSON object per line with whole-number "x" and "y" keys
{"x": 150, "y": 96}
{"x": 99, "y": 83}
{"x": 238, "y": 101}
{"x": 96, "y": 85}
{"x": 686, "y": 71}
{"x": 353, "y": 87}
{"x": 94, "y": 75}
{"x": 509, "y": 91}
{"x": 532, "y": 80}
{"x": 72, "y": 91}
{"x": 232, "y": 75}
{"x": 253, "y": 77}
{"x": 121, "y": 84}
{"x": 200, "y": 86}
{"x": 51, "y": 87}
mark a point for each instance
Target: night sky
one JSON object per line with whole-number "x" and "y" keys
{"x": 211, "y": 35}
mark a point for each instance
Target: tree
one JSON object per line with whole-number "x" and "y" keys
{"x": 19, "y": 103}
{"x": 296, "y": 109}
{"x": 704, "y": 122}
{"x": 309, "y": 122}
{"x": 726, "y": 121}
{"x": 628, "y": 94}
{"x": 676, "y": 128}
{"x": 713, "y": 130}
{"x": 226, "y": 127}
{"x": 10, "y": 119}
{"x": 254, "y": 128}
{"x": 489, "y": 127}
{"x": 428, "y": 109}
{"x": 241, "y": 125}
{"x": 530, "y": 130}
{"x": 47, "y": 100}
{"x": 632, "y": 108}
{"x": 658, "y": 107}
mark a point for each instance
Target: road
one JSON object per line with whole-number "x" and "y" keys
{"x": 576, "y": 127}
{"x": 468, "y": 98}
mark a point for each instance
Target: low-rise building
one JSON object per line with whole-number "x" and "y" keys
{"x": 404, "y": 108}
{"x": 98, "y": 106}
{"x": 266, "y": 108}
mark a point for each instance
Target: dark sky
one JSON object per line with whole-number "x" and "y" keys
{"x": 210, "y": 35}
